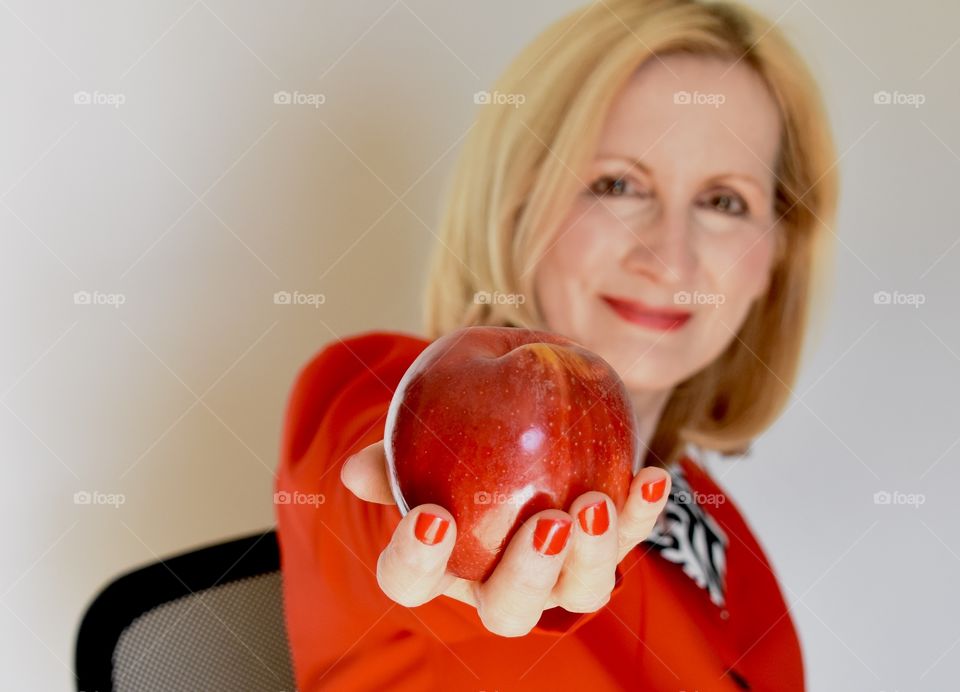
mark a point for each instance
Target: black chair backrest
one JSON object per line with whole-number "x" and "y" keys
{"x": 208, "y": 619}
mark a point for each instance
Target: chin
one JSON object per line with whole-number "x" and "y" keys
{"x": 642, "y": 381}
{"x": 648, "y": 373}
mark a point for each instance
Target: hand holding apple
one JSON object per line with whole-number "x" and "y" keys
{"x": 411, "y": 569}
{"x": 496, "y": 424}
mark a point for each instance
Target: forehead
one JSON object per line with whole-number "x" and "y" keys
{"x": 695, "y": 113}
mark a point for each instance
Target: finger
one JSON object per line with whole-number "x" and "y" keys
{"x": 512, "y": 599}
{"x": 589, "y": 572}
{"x": 648, "y": 495}
{"x": 411, "y": 569}
{"x": 365, "y": 474}
{"x": 462, "y": 590}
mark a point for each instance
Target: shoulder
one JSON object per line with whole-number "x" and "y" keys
{"x": 694, "y": 467}
{"x": 363, "y": 350}
{"x": 347, "y": 380}
{"x": 365, "y": 355}
{"x": 709, "y": 493}
{"x": 752, "y": 589}
{"x": 704, "y": 529}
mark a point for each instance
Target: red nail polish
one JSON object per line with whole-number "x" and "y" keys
{"x": 551, "y": 535}
{"x": 430, "y": 528}
{"x": 652, "y": 491}
{"x": 594, "y": 519}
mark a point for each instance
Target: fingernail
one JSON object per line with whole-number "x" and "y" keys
{"x": 652, "y": 491}
{"x": 594, "y": 519}
{"x": 430, "y": 528}
{"x": 551, "y": 535}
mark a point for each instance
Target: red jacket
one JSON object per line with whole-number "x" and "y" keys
{"x": 696, "y": 607}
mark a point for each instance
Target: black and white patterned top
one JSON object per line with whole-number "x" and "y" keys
{"x": 687, "y": 535}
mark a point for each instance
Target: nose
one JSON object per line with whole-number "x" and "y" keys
{"x": 663, "y": 249}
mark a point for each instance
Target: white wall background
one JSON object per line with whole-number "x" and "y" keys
{"x": 199, "y": 197}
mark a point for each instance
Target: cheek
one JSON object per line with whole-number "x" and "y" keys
{"x": 740, "y": 271}
{"x": 590, "y": 241}
{"x": 567, "y": 277}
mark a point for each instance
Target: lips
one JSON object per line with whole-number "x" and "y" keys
{"x": 647, "y": 316}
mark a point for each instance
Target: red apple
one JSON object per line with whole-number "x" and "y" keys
{"x": 498, "y": 423}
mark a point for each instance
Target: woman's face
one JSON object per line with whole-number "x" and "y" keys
{"x": 675, "y": 213}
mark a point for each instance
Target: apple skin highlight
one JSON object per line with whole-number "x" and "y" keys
{"x": 498, "y": 423}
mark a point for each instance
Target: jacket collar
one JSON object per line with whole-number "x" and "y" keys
{"x": 687, "y": 534}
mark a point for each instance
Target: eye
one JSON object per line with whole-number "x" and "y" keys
{"x": 611, "y": 186}
{"x": 727, "y": 202}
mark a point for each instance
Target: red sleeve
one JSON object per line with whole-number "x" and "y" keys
{"x": 330, "y": 540}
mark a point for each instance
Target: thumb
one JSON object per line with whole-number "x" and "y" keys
{"x": 365, "y": 475}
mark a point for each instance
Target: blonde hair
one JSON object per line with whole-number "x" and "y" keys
{"x": 516, "y": 176}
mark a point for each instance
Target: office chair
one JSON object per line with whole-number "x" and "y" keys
{"x": 207, "y": 619}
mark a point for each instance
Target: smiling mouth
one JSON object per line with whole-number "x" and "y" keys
{"x": 643, "y": 315}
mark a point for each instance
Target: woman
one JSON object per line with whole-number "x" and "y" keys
{"x": 660, "y": 195}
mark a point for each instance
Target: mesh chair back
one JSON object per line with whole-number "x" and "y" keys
{"x": 210, "y": 619}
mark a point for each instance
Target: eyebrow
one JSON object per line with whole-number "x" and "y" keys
{"x": 637, "y": 163}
